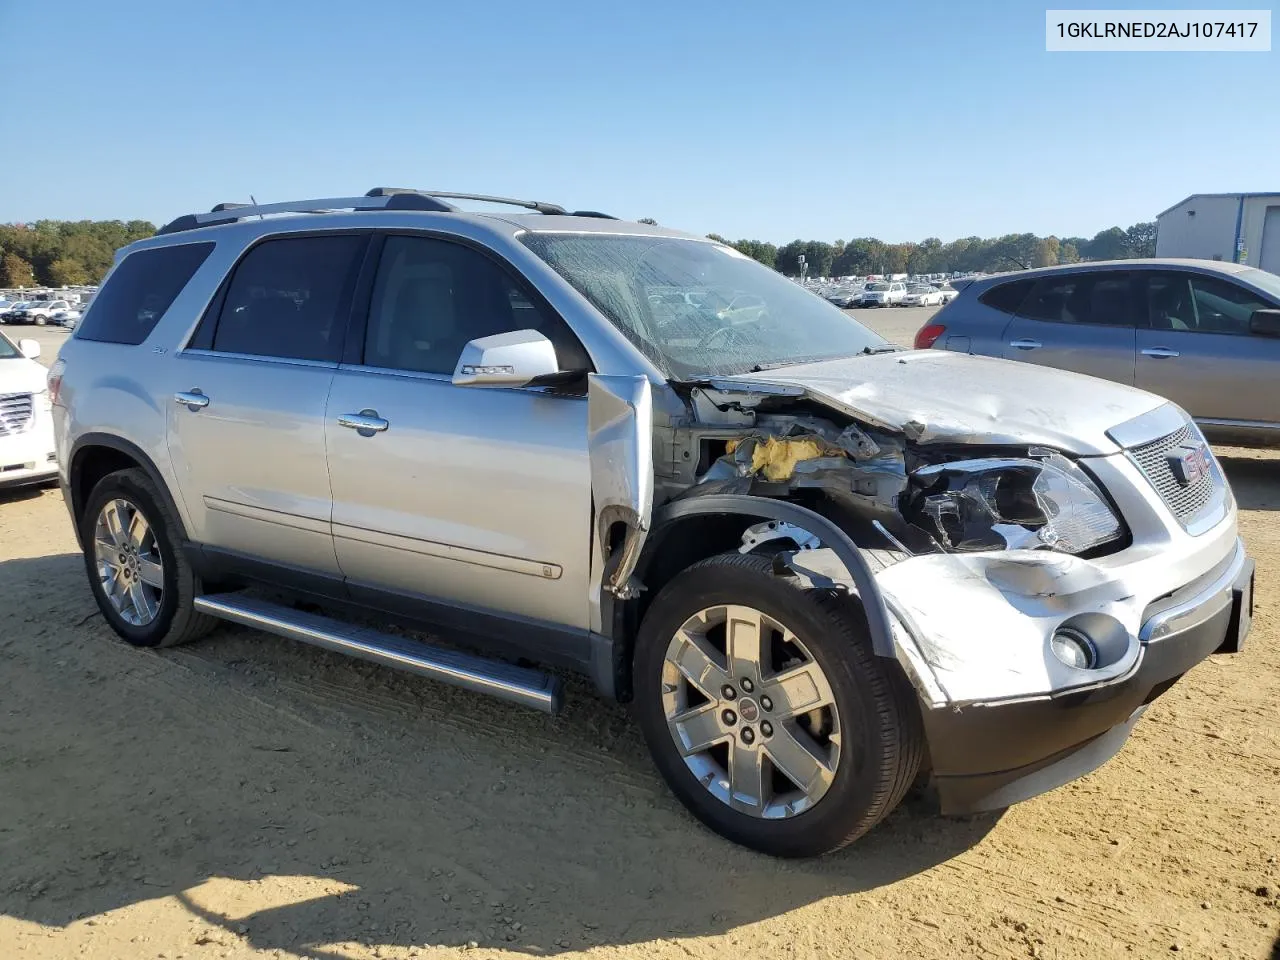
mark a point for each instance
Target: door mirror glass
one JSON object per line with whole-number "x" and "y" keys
{"x": 30, "y": 348}
{"x": 517, "y": 359}
{"x": 1265, "y": 323}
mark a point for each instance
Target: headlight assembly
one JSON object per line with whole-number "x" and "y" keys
{"x": 997, "y": 503}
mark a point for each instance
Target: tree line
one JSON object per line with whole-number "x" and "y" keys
{"x": 59, "y": 253}
{"x": 1014, "y": 251}
{"x": 56, "y": 253}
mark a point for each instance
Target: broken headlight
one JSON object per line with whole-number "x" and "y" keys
{"x": 996, "y": 503}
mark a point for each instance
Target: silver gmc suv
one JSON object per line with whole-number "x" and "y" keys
{"x": 822, "y": 569}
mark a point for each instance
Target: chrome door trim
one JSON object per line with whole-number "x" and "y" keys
{"x": 257, "y": 358}
{"x": 279, "y": 517}
{"x": 447, "y": 378}
{"x": 448, "y": 551}
{"x": 1250, "y": 424}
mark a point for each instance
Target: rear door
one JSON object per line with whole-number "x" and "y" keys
{"x": 1198, "y": 350}
{"x": 246, "y": 421}
{"x": 1077, "y": 321}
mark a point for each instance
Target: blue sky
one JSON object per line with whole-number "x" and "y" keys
{"x": 819, "y": 120}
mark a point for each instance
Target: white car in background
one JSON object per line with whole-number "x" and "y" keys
{"x": 948, "y": 292}
{"x": 26, "y": 421}
{"x": 67, "y": 317}
{"x": 921, "y": 295}
{"x": 39, "y": 312}
{"x": 882, "y": 294}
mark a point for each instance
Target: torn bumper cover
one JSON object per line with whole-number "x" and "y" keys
{"x": 1006, "y": 718}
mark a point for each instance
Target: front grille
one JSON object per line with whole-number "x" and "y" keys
{"x": 1153, "y": 460}
{"x": 15, "y": 413}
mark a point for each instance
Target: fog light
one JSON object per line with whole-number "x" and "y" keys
{"x": 1074, "y": 648}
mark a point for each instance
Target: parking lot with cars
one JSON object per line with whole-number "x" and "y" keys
{"x": 248, "y": 796}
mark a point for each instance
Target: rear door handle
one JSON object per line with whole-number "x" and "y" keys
{"x": 1159, "y": 353}
{"x": 1025, "y": 344}
{"x": 193, "y": 401}
{"x": 366, "y": 422}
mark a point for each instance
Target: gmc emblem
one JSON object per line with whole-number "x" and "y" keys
{"x": 1189, "y": 463}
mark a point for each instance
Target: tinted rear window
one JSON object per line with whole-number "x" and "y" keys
{"x": 1007, "y": 297}
{"x": 139, "y": 291}
{"x": 290, "y": 298}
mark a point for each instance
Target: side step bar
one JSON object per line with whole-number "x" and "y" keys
{"x": 530, "y": 688}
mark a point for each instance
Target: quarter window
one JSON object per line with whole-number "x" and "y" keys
{"x": 290, "y": 298}
{"x": 1007, "y": 297}
{"x": 139, "y": 291}
{"x": 431, "y": 297}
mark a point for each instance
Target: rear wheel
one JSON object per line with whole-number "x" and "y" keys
{"x": 41, "y": 321}
{"x": 767, "y": 712}
{"x": 133, "y": 556}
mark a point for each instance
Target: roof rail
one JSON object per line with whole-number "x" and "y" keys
{"x": 230, "y": 212}
{"x": 379, "y": 198}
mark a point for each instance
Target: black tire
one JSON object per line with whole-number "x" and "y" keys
{"x": 177, "y": 620}
{"x": 882, "y": 742}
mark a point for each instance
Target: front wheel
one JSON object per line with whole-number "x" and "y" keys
{"x": 767, "y": 712}
{"x": 41, "y": 321}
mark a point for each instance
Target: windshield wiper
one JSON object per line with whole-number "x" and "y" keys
{"x": 819, "y": 358}
{"x": 882, "y": 348}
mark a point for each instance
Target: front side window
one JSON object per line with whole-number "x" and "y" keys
{"x": 290, "y": 298}
{"x": 1222, "y": 307}
{"x": 1086, "y": 298}
{"x": 431, "y": 297}
{"x": 740, "y": 315}
{"x": 138, "y": 292}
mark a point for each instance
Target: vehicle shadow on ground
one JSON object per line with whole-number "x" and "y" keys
{"x": 1255, "y": 480}
{"x": 360, "y": 805}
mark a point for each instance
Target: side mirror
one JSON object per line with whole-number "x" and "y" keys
{"x": 29, "y": 348}
{"x": 514, "y": 359}
{"x": 1265, "y": 323}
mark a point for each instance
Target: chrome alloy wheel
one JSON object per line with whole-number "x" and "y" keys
{"x": 751, "y": 712}
{"x": 130, "y": 567}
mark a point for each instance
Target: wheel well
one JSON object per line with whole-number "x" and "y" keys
{"x": 90, "y": 465}
{"x": 670, "y": 549}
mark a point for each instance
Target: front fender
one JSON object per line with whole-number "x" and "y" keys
{"x": 839, "y": 542}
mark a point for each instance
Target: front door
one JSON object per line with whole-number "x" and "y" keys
{"x": 1077, "y": 321}
{"x": 1198, "y": 350}
{"x": 246, "y": 423}
{"x": 474, "y": 497}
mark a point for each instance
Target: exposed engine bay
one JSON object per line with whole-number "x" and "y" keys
{"x": 902, "y": 492}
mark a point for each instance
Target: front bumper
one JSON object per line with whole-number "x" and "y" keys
{"x": 990, "y": 755}
{"x": 28, "y": 457}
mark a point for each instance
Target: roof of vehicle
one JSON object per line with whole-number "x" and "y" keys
{"x": 395, "y": 208}
{"x": 1214, "y": 266}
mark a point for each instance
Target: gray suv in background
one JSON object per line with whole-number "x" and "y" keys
{"x": 820, "y": 568}
{"x": 1203, "y": 333}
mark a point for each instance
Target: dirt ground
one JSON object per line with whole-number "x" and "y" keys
{"x": 247, "y": 797}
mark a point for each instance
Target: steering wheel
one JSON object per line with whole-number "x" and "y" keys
{"x": 728, "y": 332}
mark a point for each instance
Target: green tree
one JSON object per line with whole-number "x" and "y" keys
{"x": 1068, "y": 253}
{"x": 1140, "y": 239}
{"x": 1048, "y": 252}
{"x": 1110, "y": 244}
{"x": 65, "y": 272}
{"x": 15, "y": 272}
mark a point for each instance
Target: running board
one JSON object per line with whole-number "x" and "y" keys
{"x": 529, "y": 688}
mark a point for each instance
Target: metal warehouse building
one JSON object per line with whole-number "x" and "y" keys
{"x": 1236, "y": 227}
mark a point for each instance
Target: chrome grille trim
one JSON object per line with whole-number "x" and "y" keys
{"x": 16, "y": 413}
{"x": 1188, "y": 503}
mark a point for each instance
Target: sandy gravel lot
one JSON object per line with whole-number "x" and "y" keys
{"x": 246, "y": 797}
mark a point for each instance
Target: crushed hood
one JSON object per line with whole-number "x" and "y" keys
{"x": 937, "y": 395}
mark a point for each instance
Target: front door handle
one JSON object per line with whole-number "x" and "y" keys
{"x": 1025, "y": 344}
{"x": 366, "y": 422}
{"x": 1160, "y": 353}
{"x": 193, "y": 400}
